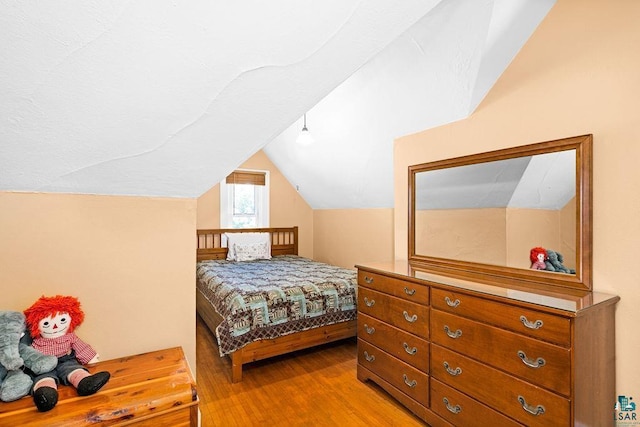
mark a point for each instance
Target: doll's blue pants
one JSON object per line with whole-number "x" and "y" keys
{"x": 66, "y": 365}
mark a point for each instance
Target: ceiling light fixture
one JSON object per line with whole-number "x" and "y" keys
{"x": 305, "y": 137}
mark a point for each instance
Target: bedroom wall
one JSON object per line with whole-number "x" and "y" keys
{"x": 577, "y": 74}
{"x": 130, "y": 261}
{"x": 535, "y": 227}
{"x": 528, "y": 228}
{"x": 346, "y": 237}
{"x": 341, "y": 237}
{"x": 454, "y": 233}
{"x": 505, "y": 237}
{"x": 568, "y": 233}
{"x": 287, "y": 208}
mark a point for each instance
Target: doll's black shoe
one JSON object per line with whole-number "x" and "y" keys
{"x": 45, "y": 398}
{"x": 89, "y": 385}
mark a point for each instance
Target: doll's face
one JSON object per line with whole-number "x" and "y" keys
{"x": 55, "y": 326}
{"x": 541, "y": 257}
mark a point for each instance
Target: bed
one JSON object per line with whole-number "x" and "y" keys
{"x": 259, "y": 308}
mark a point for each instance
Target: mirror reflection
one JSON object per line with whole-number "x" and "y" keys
{"x": 496, "y": 212}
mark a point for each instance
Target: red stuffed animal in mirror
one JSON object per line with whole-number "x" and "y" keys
{"x": 51, "y": 321}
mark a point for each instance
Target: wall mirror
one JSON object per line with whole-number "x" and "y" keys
{"x": 479, "y": 216}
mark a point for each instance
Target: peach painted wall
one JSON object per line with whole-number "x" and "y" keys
{"x": 341, "y": 237}
{"x": 505, "y": 237}
{"x": 130, "y": 261}
{"x": 209, "y": 209}
{"x": 568, "y": 233}
{"x": 287, "y": 208}
{"x": 554, "y": 230}
{"x": 528, "y": 228}
{"x": 455, "y": 234}
{"x": 577, "y": 74}
{"x": 346, "y": 237}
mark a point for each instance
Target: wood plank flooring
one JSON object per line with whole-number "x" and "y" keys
{"x": 314, "y": 387}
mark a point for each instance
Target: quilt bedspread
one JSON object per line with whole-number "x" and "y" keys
{"x": 264, "y": 299}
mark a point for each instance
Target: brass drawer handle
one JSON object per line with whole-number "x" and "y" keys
{"x": 538, "y": 363}
{"x": 453, "y": 409}
{"x": 409, "y": 292}
{"x": 369, "y": 329}
{"x": 408, "y": 318}
{"x": 531, "y": 325}
{"x": 369, "y": 302}
{"x": 409, "y": 350}
{"x": 368, "y": 279}
{"x": 451, "y": 371}
{"x": 370, "y": 358}
{"x": 412, "y": 383}
{"x": 450, "y": 303}
{"x": 455, "y": 335}
{"x": 538, "y": 410}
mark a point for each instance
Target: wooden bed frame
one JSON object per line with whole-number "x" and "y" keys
{"x": 284, "y": 241}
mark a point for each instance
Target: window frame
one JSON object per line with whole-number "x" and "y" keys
{"x": 262, "y": 194}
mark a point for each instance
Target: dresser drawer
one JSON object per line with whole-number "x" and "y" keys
{"x": 404, "y": 346}
{"x": 402, "y": 376}
{"x": 461, "y": 410}
{"x": 518, "y": 399}
{"x": 542, "y": 363}
{"x": 533, "y": 323}
{"x": 403, "y": 314}
{"x": 402, "y": 289}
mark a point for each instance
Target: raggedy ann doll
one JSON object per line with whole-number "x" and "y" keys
{"x": 51, "y": 321}
{"x": 538, "y": 256}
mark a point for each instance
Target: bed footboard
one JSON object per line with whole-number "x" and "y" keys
{"x": 273, "y": 347}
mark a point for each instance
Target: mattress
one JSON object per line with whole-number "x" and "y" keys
{"x": 265, "y": 299}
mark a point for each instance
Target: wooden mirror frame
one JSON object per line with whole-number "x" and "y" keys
{"x": 509, "y": 276}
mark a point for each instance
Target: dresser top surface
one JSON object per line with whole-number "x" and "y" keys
{"x": 573, "y": 301}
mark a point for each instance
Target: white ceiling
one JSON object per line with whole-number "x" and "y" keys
{"x": 544, "y": 181}
{"x": 165, "y": 98}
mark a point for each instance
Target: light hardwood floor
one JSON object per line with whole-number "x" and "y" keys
{"x": 315, "y": 387}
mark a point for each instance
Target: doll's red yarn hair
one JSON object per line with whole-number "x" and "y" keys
{"x": 533, "y": 256}
{"x": 50, "y": 306}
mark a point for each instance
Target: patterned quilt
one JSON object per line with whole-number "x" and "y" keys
{"x": 264, "y": 299}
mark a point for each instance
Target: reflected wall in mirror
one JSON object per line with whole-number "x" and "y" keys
{"x": 482, "y": 214}
{"x": 495, "y": 212}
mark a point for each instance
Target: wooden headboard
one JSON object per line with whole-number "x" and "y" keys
{"x": 284, "y": 241}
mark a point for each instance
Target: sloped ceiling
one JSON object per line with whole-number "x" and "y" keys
{"x": 435, "y": 73}
{"x": 544, "y": 181}
{"x": 162, "y": 98}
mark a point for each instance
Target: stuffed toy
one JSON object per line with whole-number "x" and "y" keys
{"x": 51, "y": 322}
{"x": 554, "y": 263}
{"x": 538, "y": 256}
{"x": 15, "y": 354}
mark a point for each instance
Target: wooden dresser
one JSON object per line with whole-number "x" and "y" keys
{"x": 150, "y": 389}
{"x": 463, "y": 353}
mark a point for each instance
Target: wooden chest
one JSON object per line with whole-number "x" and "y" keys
{"x": 149, "y": 389}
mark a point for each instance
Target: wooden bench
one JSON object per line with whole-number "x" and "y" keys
{"x": 152, "y": 389}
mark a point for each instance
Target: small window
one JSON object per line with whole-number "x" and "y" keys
{"x": 244, "y": 200}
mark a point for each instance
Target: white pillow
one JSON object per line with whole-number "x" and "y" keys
{"x": 243, "y": 238}
{"x": 251, "y": 251}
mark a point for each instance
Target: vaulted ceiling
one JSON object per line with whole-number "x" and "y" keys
{"x": 163, "y": 98}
